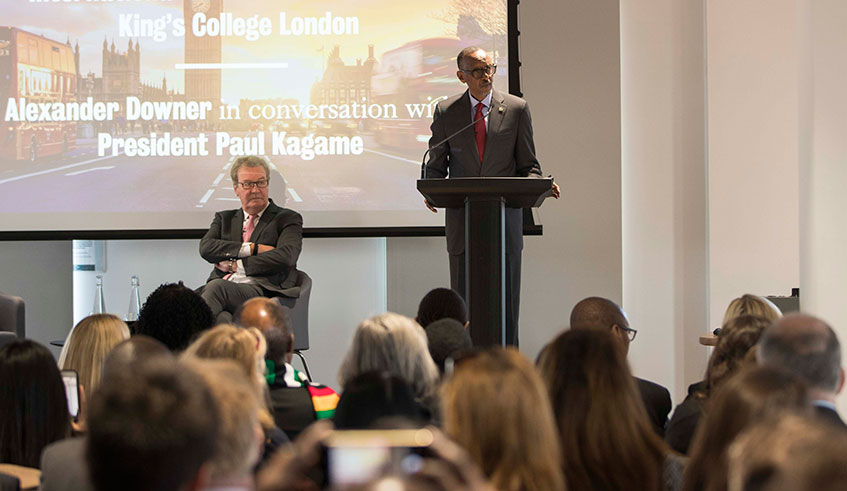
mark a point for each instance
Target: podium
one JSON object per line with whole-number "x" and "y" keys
{"x": 485, "y": 200}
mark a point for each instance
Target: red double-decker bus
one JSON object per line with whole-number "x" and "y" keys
{"x": 38, "y": 70}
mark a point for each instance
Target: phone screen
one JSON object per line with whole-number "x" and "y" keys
{"x": 359, "y": 456}
{"x": 71, "y": 380}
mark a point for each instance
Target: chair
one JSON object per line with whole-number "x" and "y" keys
{"x": 12, "y": 315}
{"x": 6, "y": 338}
{"x": 298, "y": 316}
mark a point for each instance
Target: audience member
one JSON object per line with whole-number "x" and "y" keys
{"x": 749, "y": 304}
{"x": 63, "y": 466}
{"x": 87, "y": 345}
{"x": 297, "y": 402}
{"x": 788, "y": 452}
{"x": 396, "y": 344}
{"x": 174, "y": 315}
{"x": 247, "y": 347}
{"x": 496, "y": 408}
{"x": 607, "y": 440}
{"x": 442, "y": 303}
{"x": 735, "y": 350}
{"x": 808, "y": 348}
{"x": 372, "y": 396}
{"x": 447, "y": 338}
{"x": 153, "y": 428}
{"x": 746, "y": 398}
{"x": 604, "y": 314}
{"x": 240, "y": 435}
{"x": 33, "y": 406}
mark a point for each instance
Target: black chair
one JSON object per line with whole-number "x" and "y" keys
{"x": 297, "y": 310}
{"x": 12, "y": 315}
{"x": 6, "y": 338}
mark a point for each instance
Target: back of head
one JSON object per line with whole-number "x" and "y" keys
{"x": 32, "y": 402}
{"x": 788, "y": 451}
{"x": 372, "y": 396}
{"x": 807, "y": 347}
{"x": 446, "y": 338}
{"x": 244, "y": 346}
{"x": 174, "y": 315}
{"x": 598, "y": 313}
{"x": 396, "y": 344}
{"x": 749, "y": 396}
{"x": 496, "y": 407}
{"x": 737, "y": 337}
{"x": 607, "y": 439}
{"x": 127, "y": 354}
{"x": 88, "y": 344}
{"x": 749, "y": 304}
{"x": 151, "y": 429}
{"x": 269, "y": 317}
{"x": 442, "y": 303}
{"x": 239, "y": 437}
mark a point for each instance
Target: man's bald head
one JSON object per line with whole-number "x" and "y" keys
{"x": 805, "y": 346}
{"x": 269, "y": 317}
{"x": 597, "y": 312}
{"x": 601, "y": 313}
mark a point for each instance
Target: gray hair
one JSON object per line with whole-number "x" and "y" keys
{"x": 396, "y": 344}
{"x": 805, "y": 346}
{"x": 248, "y": 161}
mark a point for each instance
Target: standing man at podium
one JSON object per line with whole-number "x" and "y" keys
{"x": 499, "y": 144}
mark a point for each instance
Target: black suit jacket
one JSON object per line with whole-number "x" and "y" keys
{"x": 830, "y": 416}
{"x": 273, "y": 270}
{"x": 657, "y": 401}
{"x": 509, "y": 152}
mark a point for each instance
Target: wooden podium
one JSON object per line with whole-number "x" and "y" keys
{"x": 485, "y": 200}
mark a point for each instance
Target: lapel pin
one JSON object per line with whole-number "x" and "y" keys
{"x": 501, "y": 109}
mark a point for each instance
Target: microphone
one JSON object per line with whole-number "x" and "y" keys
{"x": 442, "y": 142}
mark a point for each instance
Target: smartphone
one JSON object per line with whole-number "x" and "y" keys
{"x": 71, "y": 380}
{"x": 359, "y": 456}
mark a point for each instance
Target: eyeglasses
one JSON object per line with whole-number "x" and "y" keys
{"x": 479, "y": 72}
{"x": 629, "y": 332}
{"x": 251, "y": 184}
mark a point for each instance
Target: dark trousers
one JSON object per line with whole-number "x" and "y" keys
{"x": 224, "y": 297}
{"x": 513, "y": 290}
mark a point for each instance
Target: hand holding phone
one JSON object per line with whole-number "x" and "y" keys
{"x": 71, "y": 380}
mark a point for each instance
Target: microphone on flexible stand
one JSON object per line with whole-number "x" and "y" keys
{"x": 423, "y": 161}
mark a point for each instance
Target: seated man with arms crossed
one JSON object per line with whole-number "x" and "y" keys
{"x": 254, "y": 248}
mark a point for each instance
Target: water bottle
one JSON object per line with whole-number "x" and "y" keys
{"x": 134, "y": 301}
{"x": 99, "y": 300}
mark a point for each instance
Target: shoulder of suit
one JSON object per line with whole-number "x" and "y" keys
{"x": 511, "y": 100}
{"x": 451, "y": 101}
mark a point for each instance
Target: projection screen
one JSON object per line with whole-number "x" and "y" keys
{"x": 126, "y": 115}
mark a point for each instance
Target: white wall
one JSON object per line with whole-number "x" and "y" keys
{"x": 664, "y": 188}
{"x": 755, "y": 60}
{"x": 823, "y": 235}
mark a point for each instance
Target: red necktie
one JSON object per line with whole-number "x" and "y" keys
{"x": 248, "y": 229}
{"x": 479, "y": 130}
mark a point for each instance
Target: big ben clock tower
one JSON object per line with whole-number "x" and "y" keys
{"x": 202, "y": 84}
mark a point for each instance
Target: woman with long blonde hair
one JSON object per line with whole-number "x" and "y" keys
{"x": 496, "y": 407}
{"x": 87, "y": 345}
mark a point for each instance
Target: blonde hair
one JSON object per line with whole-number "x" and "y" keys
{"x": 496, "y": 407}
{"x": 87, "y": 345}
{"x": 749, "y": 304}
{"x": 245, "y": 346}
{"x": 239, "y": 407}
{"x": 396, "y": 344}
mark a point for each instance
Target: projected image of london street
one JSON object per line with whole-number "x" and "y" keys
{"x": 126, "y": 113}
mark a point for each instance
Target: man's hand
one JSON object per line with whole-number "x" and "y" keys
{"x": 556, "y": 191}
{"x": 227, "y": 266}
{"x": 431, "y": 208}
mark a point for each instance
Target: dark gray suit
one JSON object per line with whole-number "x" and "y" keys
{"x": 509, "y": 152}
{"x": 272, "y": 272}
{"x": 63, "y": 466}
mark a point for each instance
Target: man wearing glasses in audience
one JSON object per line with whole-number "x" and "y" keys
{"x": 254, "y": 249}
{"x": 499, "y": 144}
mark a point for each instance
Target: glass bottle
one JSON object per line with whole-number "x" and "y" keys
{"x": 134, "y": 301}
{"x": 99, "y": 300}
